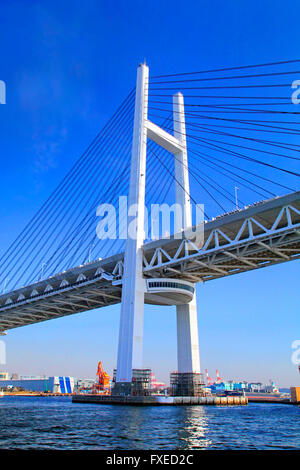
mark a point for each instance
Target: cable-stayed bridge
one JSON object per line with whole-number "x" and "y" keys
{"x": 259, "y": 236}
{"x": 226, "y": 138}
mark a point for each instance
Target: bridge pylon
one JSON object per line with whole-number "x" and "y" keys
{"x": 187, "y": 325}
{"x": 134, "y": 283}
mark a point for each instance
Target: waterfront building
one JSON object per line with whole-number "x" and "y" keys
{"x": 255, "y": 387}
{"x": 57, "y": 384}
{"x": 82, "y": 385}
{"x": 4, "y": 375}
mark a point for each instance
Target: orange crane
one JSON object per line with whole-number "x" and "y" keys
{"x": 209, "y": 379}
{"x": 219, "y": 379}
{"x": 103, "y": 385}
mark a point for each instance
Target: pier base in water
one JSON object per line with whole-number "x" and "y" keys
{"x": 187, "y": 384}
{"x": 154, "y": 400}
{"x": 140, "y": 385}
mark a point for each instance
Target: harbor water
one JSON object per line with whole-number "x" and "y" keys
{"x": 56, "y": 423}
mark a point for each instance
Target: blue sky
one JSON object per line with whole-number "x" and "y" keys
{"x": 67, "y": 66}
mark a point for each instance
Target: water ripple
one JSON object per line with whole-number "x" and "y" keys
{"x": 56, "y": 423}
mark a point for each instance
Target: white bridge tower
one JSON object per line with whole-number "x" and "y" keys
{"x": 134, "y": 284}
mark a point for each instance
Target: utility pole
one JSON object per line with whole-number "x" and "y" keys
{"x": 236, "y": 197}
{"x": 90, "y": 251}
{"x": 4, "y": 284}
{"x": 42, "y": 270}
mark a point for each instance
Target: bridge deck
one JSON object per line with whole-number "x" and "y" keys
{"x": 261, "y": 235}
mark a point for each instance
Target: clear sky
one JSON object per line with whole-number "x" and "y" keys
{"x": 67, "y": 66}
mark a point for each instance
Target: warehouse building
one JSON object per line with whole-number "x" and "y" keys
{"x": 57, "y": 384}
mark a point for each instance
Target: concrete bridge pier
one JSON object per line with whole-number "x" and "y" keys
{"x": 134, "y": 284}
{"x": 188, "y": 357}
{"x": 133, "y": 290}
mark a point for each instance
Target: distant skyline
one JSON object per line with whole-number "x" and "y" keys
{"x": 66, "y": 67}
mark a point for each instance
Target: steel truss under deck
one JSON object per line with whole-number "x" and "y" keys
{"x": 258, "y": 236}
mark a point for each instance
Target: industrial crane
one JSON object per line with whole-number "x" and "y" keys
{"x": 219, "y": 379}
{"x": 209, "y": 379}
{"x": 103, "y": 385}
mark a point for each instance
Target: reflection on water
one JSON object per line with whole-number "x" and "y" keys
{"x": 56, "y": 423}
{"x": 193, "y": 433}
